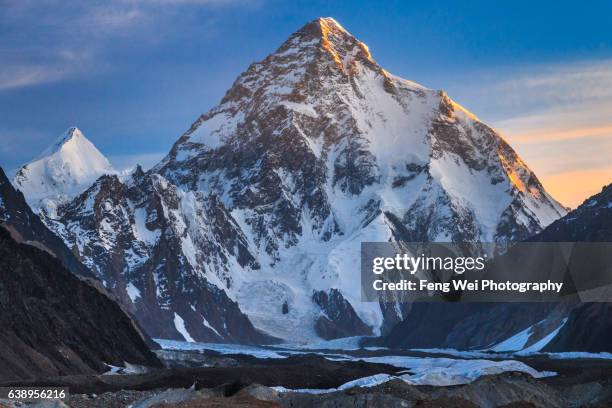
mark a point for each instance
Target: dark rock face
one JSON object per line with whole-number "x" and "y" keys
{"x": 590, "y": 222}
{"x": 588, "y": 328}
{"x": 507, "y": 389}
{"x": 589, "y": 325}
{"x": 25, "y": 226}
{"x": 295, "y": 372}
{"x": 463, "y": 325}
{"x": 338, "y": 318}
{"x": 53, "y": 323}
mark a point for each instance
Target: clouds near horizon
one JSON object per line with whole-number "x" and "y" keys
{"x": 562, "y": 125}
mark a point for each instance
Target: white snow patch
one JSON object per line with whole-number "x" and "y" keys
{"x": 514, "y": 343}
{"x": 302, "y": 108}
{"x": 213, "y": 132}
{"x": 580, "y": 355}
{"x": 179, "y": 324}
{"x": 448, "y": 371}
{"x": 461, "y": 353}
{"x": 141, "y": 232}
{"x": 364, "y": 382}
{"x": 345, "y": 343}
{"x": 539, "y": 345}
{"x": 205, "y": 322}
{"x": 254, "y": 351}
{"x": 423, "y": 370}
{"x": 434, "y": 372}
{"x": 133, "y": 292}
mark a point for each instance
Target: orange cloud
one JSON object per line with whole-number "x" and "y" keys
{"x": 563, "y": 134}
{"x": 573, "y": 187}
{"x": 573, "y": 163}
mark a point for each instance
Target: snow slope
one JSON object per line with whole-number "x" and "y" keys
{"x": 519, "y": 343}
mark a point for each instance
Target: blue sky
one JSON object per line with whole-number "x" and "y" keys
{"x": 134, "y": 74}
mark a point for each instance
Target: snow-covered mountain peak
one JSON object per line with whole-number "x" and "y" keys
{"x": 72, "y": 135}
{"x": 320, "y": 66}
{"x": 330, "y": 22}
{"x": 65, "y": 168}
{"x": 333, "y": 40}
{"x": 322, "y": 28}
{"x": 268, "y": 196}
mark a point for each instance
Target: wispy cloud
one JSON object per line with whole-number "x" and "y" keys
{"x": 111, "y": 18}
{"x": 563, "y": 83}
{"x": 91, "y": 31}
{"x": 46, "y": 68}
{"x": 558, "y": 118}
{"x": 550, "y": 135}
{"x": 16, "y": 76}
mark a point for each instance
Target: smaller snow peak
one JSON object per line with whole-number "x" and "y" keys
{"x": 73, "y": 131}
{"x": 73, "y": 134}
{"x": 69, "y": 165}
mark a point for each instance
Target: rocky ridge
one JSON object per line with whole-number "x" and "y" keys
{"x": 54, "y": 323}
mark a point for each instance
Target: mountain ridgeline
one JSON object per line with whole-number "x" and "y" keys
{"x": 250, "y": 228}
{"x": 54, "y": 323}
{"x": 589, "y": 325}
{"x": 25, "y": 226}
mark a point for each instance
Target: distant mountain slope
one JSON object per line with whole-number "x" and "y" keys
{"x": 258, "y": 211}
{"x": 54, "y": 323}
{"x": 590, "y": 222}
{"x": 558, "y": 327}
{"x": 25, "y": 226}
{"x": 139, "y": 235}
{"x": 63, "y": 170}
{"x": 589, "y": 326}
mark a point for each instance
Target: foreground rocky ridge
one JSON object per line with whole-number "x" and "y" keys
{"x": 242, "y": 381}
{"x": 262, "y": 204}
{"x": 54, "y": 324}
